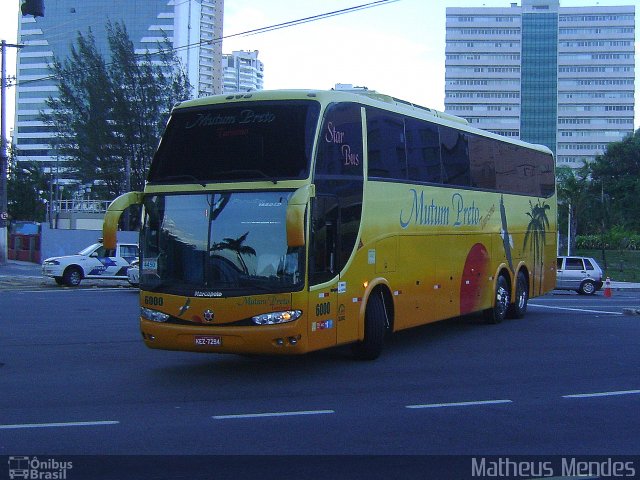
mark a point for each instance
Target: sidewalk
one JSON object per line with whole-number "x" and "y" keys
{"x": 626, "y": 286}
{"x": 16, "y": 267}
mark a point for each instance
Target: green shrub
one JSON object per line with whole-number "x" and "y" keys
{"x": 614, "y": 239}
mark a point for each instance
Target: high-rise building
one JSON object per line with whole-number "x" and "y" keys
{"x": 559, "y": 76}
{"x": 242, "y": 72}
{"x": 188, "y": 24}
{"x": 199, "y": 23}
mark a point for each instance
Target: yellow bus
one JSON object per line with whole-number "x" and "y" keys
{"x": 283, "y": 222}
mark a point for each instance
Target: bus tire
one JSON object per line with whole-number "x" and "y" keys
{"x": 519, "y": 307}
{"x": 498, "y": 312}
{"x": 375, "y": 329}
{"x": 72, "y": 276}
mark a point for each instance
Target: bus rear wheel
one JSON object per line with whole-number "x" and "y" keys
{"x": 519, "y": 307}
{"x": 375, "y": 329}
{"x": 498, "y": 312}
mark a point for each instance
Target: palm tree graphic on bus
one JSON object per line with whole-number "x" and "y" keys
{"x": 237, "y": 246}
{"x": 536, "y": 236}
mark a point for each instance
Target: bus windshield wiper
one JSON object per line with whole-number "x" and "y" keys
{"x": 183, "y": 177}
{"x": 257, "y": 172}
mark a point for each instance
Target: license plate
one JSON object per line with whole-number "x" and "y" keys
{"x": 211, "y": 341}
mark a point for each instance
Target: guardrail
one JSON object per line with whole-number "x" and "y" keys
{"x": 84, "y": 206}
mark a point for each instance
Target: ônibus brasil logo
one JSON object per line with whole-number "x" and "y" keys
{"x": 36, "y": 469}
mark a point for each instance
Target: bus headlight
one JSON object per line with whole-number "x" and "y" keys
{"x": 277, "y": 317}
{"x": 153, "y": 315}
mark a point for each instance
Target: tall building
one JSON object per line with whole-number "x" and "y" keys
{"x": 559, "y": 76}
{"x": 199, "y": 22}
{"x": 188, "y": 24}
{"x": 242, "y": 72}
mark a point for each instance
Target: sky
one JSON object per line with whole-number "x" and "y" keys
{"x": 396, "y": 48}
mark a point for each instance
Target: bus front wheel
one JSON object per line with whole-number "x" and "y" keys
{"x": 501, "y": 299}
{"x": 375, "y": 329}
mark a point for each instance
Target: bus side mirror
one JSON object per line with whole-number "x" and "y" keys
{"x": 295, "y": 215}
{"x": 110, "y": 222}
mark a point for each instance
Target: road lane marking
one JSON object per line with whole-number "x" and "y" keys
{"x": 603, "y": 394}
{"x": 459, "y": 404}
{"x": 585, "y": 310}
{"x": 62, "y": 424}
{"x": 273, "y": 414}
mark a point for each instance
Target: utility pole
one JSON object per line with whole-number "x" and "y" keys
{"x": 4, "y": 159}
{"x": 29, "y": 7}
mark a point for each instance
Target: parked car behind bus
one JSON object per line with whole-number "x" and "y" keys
{"x": 133, "y": 273}
{"x": 582, "y": 274}
{"x": 94, "y": 262}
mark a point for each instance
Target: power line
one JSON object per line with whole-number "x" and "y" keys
{"x": 255, "y": 31}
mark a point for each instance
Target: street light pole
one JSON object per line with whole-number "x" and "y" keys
{"x": 569, "y": 231}
{"x": 4, "y": 159}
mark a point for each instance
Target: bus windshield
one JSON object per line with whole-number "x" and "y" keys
{"x": 218, "y": 244}
{"x": 238, "y": 142}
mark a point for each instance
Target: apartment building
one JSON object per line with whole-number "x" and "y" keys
{"x": 242, "y": 72}
{"x": 558, "y": 76}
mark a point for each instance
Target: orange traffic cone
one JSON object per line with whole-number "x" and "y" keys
{"x": 607, "y": 288}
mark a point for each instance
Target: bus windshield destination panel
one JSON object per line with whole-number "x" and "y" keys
{"x": 267, "y": 140}
{"x": 290, "y": 221}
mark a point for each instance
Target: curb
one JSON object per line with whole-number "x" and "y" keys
{"x": 39, "y": 282}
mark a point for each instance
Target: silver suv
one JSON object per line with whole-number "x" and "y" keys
{"x": 582, "y": 274}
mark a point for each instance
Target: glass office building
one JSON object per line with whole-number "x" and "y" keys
{"x": 185, "y": 22}
{"x": 539, "y": 80}
{"x": 559, "y": 76}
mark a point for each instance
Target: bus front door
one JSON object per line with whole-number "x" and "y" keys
{"x": 323, "y": 293}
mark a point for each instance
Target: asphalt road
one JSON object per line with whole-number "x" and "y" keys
{"x": 76, "y": 379}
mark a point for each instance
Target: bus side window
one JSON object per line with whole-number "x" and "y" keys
{"x": 423, "y": 151}
{"x": 455, "y": 157}
{"x": 482, "y": 157}
{"x": 387, "y": 145}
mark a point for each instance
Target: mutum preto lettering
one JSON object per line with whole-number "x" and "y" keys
{"x": 421, "y": 214}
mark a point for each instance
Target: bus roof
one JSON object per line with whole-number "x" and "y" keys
{"x": 358, "y": 95}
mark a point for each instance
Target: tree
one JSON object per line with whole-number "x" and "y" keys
{"x": 143, "y": 97}
{"x": 615, "y": 178}
{"x": 27, "y": 190}
{"x": 573, "y": 192}
{"x": 108, "y": 117}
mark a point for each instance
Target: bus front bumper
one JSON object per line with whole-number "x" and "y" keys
{"x": 283, "y": 339}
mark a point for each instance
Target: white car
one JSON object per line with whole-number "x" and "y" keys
{"x": 95, "y": 261}
{"x": 133, "y": 273}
